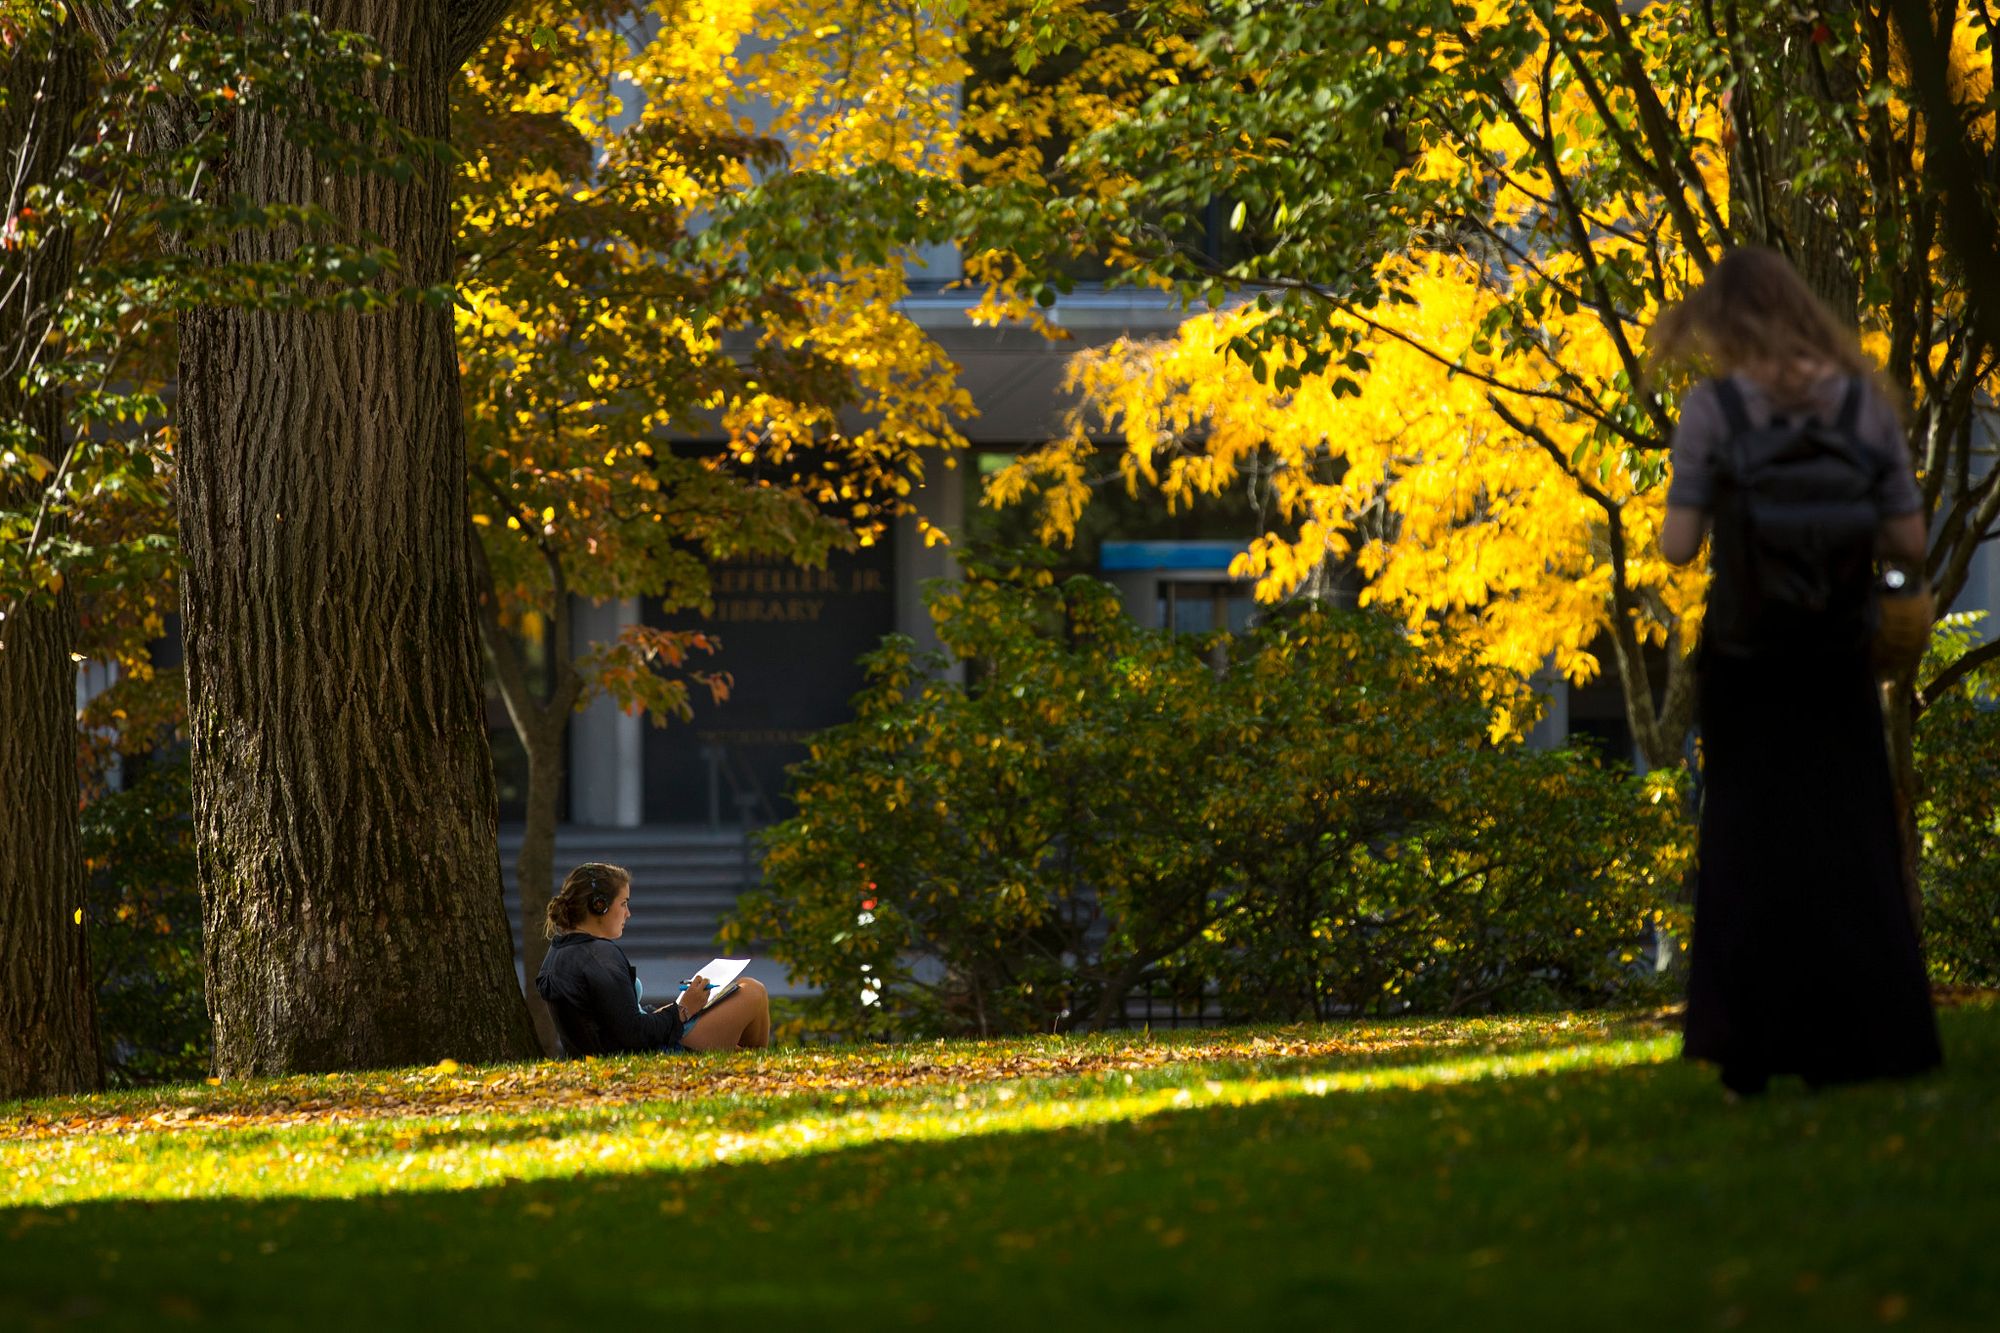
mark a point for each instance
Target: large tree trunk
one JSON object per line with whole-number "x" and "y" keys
{"x": 1963, "y": 175}
{"x": 343, "y": 786}
{"x": 48, "y": 1017}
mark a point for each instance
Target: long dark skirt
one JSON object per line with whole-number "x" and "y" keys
{"x": 1805, "y": 959}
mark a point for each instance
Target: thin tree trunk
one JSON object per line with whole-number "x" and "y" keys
{"x": 1819, "y": 230}
{"x": 542, "y": 724}
{"x": 1955, "y": 166}
{"x": 1899, "y": 734}
{"x": 1111, "y": 1000}
{"x": 1660, "y": 732}
{"x": 343, "y": 786}
{"x": 48, "y": 1024}
{"x": 534, "y": 868}
{"x": 48, "y": 1016}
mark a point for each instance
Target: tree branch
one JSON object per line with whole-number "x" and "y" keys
{"x": 1749, "y": 126}
{"x": 472, "y": 22}
{"x": 1354, "y": 313}
{"x": 1470, "y": 142}
{"x": 1607, "y": 309}
{"x": 1677, "y": 710}
{"x": 1951, "y": 578}
{"x": 1608, "y": 314}
{"x": 1632, "y": 673}
{"x": 1951, "y": 164}
{"x": 1533, "y": 432}
{"x": 1947, "y": 679}
{"x": 1657, "y": 128}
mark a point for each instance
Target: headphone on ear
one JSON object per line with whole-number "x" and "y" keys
{"x": 599, "y": 902}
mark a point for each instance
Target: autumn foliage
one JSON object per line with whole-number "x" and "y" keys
{"x": 1958, "y": 754}
{"x": 1448, "y": 230}
{"x": 1309, "y": 820}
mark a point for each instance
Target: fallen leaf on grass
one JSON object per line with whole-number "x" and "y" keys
{"x": 448, "y": 1089}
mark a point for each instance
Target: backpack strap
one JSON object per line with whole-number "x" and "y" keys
{"x": 1734, "y": 410}
{"x": 1850, "y": 406}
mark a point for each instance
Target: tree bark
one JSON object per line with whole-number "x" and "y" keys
{"x": 1955, "y": 166}
{"x": 343, "y": 786}
{"x": 1899, "y": 727}
{"x": 48, "y": 1016}
{"x": 1962, "y": 175}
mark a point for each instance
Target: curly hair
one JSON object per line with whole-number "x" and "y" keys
{"x": 571, "y": 903}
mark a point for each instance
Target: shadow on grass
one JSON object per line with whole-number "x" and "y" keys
{"x": 1585, "y": 1199}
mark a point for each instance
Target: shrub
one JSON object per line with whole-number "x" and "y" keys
{"x": 1525, "y": 880}
{"x": 144, "y": 910}
{"x": 1958, "y": 816}
{"x": 1305, "y": 820}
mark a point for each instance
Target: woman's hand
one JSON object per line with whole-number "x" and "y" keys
{"x": 1681, "y": 533}
{"x": 694, "y": 997}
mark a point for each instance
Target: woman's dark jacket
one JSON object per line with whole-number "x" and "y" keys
{"x": 593, "y": 992}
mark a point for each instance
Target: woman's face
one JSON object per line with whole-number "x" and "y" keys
{"x": 620, "y": 913}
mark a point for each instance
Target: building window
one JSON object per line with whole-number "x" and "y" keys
{"x": 1198, "y": 606}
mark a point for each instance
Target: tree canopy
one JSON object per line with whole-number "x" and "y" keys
{"x": 1458, "y": 222}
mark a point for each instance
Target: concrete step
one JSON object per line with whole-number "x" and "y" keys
{"x": 656, "y": 852}
{"x": 684, "y": 880}
{"x": 677, "y": 870}
{"x": 646, "y": 837}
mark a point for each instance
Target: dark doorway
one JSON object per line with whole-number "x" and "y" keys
{"x": 791, "y": 638}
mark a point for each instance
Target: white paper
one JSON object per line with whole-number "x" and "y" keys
{"x": 721, "y": 974}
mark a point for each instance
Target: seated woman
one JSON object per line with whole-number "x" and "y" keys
{"x": 594, "y": 991}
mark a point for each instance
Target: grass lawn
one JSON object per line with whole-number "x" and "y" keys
{"x": 1546, "y": 1172}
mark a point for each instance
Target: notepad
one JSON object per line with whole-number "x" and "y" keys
{"x": 722, "y": 974}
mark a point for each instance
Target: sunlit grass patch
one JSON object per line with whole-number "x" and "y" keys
{"x": 622, "y": 1080}
{"x": 454, "y": 1128}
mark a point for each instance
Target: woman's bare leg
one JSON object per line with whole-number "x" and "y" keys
{"x": 742, "y": 1020}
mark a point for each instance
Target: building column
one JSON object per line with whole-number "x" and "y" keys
{"x": 93, "y": 679}
{"x": 1982, "y": 592}
{"x": 606, "y": 755}
{"x": 941, "y": 501}
{"x": 1552, "y": 731}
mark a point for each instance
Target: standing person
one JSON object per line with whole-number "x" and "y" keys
{"x": 595, "y": 994}
{"x": 1805, "y": 955}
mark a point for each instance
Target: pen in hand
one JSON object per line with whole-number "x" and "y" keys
{"x": 701, "y": 994}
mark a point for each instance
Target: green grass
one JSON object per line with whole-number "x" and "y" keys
{"x": 1550, "y": 1172}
